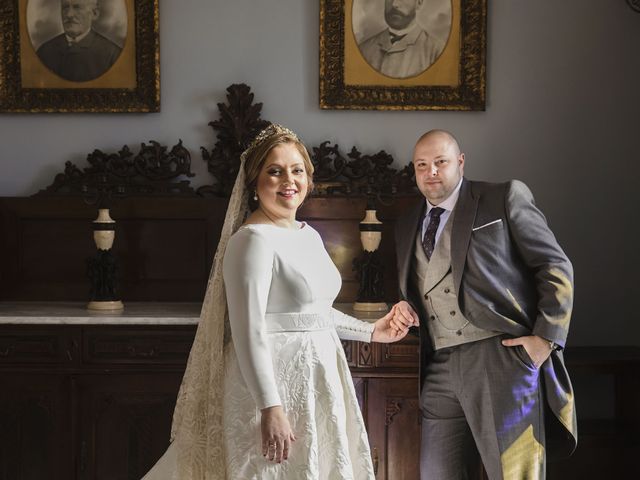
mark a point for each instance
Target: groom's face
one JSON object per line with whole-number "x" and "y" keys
{"x": 439, "y": 166}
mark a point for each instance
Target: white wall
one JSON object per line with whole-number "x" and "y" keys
{"x": 563, "y": 102}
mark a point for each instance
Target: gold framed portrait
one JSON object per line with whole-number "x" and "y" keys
{"x": 403, "y": 55}
{"x": 79, "y": 56}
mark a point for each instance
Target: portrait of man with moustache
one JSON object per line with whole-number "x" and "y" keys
{"x": 80, "y": 53}
{"x": 404, "y": 47}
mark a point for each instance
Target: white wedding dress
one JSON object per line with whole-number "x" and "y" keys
{"x": 285, "y": 350}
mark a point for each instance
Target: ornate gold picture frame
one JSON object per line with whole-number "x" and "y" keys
{"x": 376, "y": 58}
{"x": 47, "y": 66}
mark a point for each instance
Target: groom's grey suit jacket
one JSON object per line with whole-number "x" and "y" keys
{"x": 511, "y": 276}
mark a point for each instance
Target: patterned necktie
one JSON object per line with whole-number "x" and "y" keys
{"x": 429, "y": 239}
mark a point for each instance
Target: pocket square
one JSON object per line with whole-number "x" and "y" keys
{"x": 486, "y": 225}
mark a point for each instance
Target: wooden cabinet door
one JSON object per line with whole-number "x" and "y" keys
{"x": 393, "y": 420}
{"x": 125, "y": 423}
{"x": 35, "y": 427}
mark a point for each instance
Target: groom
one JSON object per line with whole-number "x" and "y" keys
{"x": 494, "y": 292}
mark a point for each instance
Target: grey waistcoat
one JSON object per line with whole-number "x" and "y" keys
{"x": 446, "y": 324}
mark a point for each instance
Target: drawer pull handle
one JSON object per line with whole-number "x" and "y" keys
{"x": 141, "y": 353}
{"x": 376, "y": 460}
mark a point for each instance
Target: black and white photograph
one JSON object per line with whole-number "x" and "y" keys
{"x": 78, "y": 40}
{"x": 402, "y": 54}
{"x": 401, "y": 38}
{"x": 79, "y": 56}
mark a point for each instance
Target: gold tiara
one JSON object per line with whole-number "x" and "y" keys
{"x": 271, "y": 131}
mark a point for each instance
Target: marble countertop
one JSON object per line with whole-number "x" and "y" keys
{"x": 134, "y": 313}
{"x": 76, "y": 313}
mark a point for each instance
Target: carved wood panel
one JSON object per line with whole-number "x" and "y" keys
{"x": 124, "y": 423}
{"x": 164, "y": 247}
{"x": 31, "y": 344}
{"x": 349, "y": 347}
{"x": 394, "y": 427}
{"x": 35, "y": 427}
{"x": 365, "y": 355}
{"x": 360, "y": 386}
{"x": 135, "y": 345}
{"x": 404, "y": 354}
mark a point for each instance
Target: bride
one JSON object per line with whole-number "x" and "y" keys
{"x": 277, "y": 400}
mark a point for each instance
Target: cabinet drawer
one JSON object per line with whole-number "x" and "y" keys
{"x": 403, "y": 354}
{"x": 37, "y": 345}
{"x": 137, "y": 346}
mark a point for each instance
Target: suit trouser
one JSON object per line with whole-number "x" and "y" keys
{"x": 485, "y": 399}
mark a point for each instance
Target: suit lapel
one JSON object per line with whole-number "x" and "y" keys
{"x": 406, "y": 243}
{"x": 465, "y": 214}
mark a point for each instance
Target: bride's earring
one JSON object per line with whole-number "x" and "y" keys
{"x": 255, "y": 195}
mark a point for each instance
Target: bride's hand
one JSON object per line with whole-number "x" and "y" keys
{"x": 277, "y": 435}
{"x": 384, "y": 331}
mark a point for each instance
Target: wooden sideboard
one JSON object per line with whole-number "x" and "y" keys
{"x": 87, "y": 402}
{"x": 88, "y": 398}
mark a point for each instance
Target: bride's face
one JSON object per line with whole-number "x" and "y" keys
{"x": 282, "y": 183}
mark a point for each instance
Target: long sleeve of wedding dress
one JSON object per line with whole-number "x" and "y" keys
{"x": 350, "y": 328}
{"x": 248, "y": 267}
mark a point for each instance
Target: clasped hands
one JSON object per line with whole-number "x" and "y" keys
{"x": 395, "y": 325}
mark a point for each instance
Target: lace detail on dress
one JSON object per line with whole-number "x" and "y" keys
{"x": 197, "y": 428}
{"x": 318, "y": 397}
